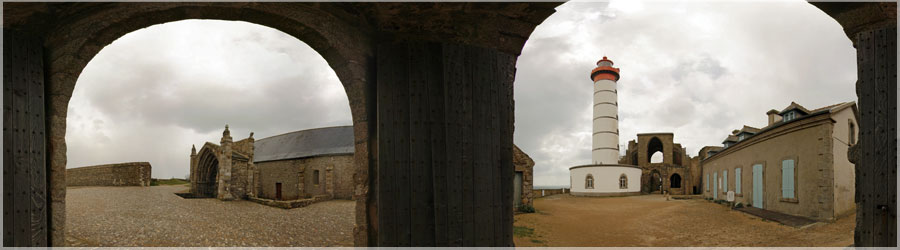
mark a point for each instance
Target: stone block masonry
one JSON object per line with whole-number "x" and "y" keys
{"x": 118, "y": 174}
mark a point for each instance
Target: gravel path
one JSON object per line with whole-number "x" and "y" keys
{"x": 155, "y": 216}
{"x": 651, "y": 221}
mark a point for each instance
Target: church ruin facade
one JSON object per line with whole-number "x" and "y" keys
{"x": 314, "y": 163}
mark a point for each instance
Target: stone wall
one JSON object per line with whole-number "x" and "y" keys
{"x": 119, "y": 174}
{"x": 523, "y": 163}
{"x": 288, "y": 173}
{"x": 807, "y": 142}
{"x": 538, "y": 193}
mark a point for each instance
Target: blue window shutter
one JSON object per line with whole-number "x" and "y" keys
{"x": 707, "y": 182}
{"x": 737, "y": 180}
{"x": 725, "y": 176}
{"x": 787, "y": 179}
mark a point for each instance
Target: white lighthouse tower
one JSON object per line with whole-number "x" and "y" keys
{"x": 605, "y": 146}
{"x": 605, "y": 176}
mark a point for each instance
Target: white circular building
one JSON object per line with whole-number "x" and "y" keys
{"x": 605, "y": 176}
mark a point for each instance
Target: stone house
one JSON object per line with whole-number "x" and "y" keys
{"x": 292, "y": 166}
{"x": 797, "y": 164}
{"x": 524, "y": 167}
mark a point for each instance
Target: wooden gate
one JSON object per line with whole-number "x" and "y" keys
{"x": 445, "y": 171}
{"x": 25, "y": 201}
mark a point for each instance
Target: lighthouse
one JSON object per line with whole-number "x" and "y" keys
{"x": 605, "y": 176}
{"x": 605, "y": 141}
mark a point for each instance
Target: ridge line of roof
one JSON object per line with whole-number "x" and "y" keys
{"x": 303, "y": 130}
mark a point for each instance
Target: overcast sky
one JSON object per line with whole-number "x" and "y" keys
{"x": 697, "y": 69}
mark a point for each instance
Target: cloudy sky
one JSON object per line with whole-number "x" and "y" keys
{"x": 697, "y": 69}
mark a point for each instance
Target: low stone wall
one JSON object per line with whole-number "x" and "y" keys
{"x": 290, "y": 203}
{"x": 119, "y": 174}
{"x": 538, "y": 193}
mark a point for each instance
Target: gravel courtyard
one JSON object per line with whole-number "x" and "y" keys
{"x": 651, "y": 221}
{"x": 156, "y": 217}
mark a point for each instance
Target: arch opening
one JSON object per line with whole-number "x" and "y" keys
{"x": 163, "y": 80}
{"x": 208, "y": 169}
{"x": 655, "y": 151}
{"x": 675, "y": 181}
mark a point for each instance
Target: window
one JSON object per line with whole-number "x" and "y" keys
{"x": 852, "y": 137}
{"x": 741, "y": 137}
{"x": 707, "y": 182}
{"x": 623, "y": 182}
{"x": 316, "y": 177}
{"x": 787, "y": 179}
{"x": 589, "y": 182}
{"x": 789, "y": 116}
{"x": 737, "y": 180}
{"x": 725, "y": 179}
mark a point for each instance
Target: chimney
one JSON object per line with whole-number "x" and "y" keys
{"x": 773, "y": 116}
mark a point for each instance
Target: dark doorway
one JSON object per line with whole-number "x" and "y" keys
{"x": 675, "y": 181}
{"x": 655, "y": 181}
{"x": 278, "y": 190}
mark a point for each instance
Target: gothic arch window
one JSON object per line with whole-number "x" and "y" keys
{"x": 655, "y": 145}
{"x": 589, "y": 182}
{"x": 623, "y": 182}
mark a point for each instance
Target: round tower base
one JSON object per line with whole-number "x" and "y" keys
{"x": 605, "y": 180}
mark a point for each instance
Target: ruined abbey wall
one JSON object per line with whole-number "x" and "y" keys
{"x": 119, "y": 174}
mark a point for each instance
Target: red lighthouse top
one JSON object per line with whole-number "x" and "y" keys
{"x": 605, "y": 71}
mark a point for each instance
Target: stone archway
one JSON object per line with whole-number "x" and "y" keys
{"x": 320, "y": 30}
{"x": 207, "y": 174}
{"x": 675, "y": 181}
{"x": 55, "y": 41}
{"x": 655, "y": 181}
{"x": 655, "y": 145}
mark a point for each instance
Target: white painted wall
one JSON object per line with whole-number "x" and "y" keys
{"x": 606, "y": 179}
{"x": 604, "y": 98}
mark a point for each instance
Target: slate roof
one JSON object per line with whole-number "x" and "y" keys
{"x": 305, "y": 143}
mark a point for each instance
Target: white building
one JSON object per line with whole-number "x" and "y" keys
{"x": 605, "y": 177}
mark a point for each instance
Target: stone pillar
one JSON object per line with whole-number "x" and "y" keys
{"x": 224, "y": 182}
{"x": 444, "y": 154}
{"x": 329, "y": 181}
{"x": 872, "y": 27}
{"x": 301, "y": 184}
{"x": 193, "y": 174}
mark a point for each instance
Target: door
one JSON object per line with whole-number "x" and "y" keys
{"x": 278, "y": 191}
{"x": 758, "y": 185}
{"x": 517, "y": 190}
{"x": 25, "y": 200}
{"x": 715, "y": 186}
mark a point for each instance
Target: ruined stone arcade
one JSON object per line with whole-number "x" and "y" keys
{"x": 456, "y": 61}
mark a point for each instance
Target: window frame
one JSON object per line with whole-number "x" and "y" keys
{"x": 623, "y": 181}
{"x": 589, "y": 181}
{"x": 796, "y": 193}
{"x": 725, "y": 181}
{"x": 737, "y": 181}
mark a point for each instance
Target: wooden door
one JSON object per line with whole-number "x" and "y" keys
{"x": 758, "y": 185}
{"x": 278, "y": 191}
{"x": 25, "y": 199}
{"x": 517, "y": 190}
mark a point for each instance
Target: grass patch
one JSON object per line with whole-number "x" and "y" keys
{"x": 173, "y": 181}
{"x": 537, "y": 241}
{"x": 523, "y": 231}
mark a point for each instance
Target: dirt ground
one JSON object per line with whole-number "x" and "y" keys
{"x": 650, "y": 220}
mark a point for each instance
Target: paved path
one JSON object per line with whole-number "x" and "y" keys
{"x": 651, "y": 221}
{"x": 155, "y": 216}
